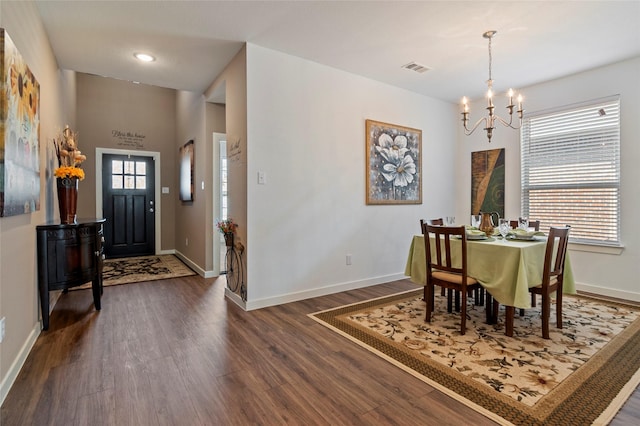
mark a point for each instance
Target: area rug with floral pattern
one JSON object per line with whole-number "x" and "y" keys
{"x": 582, "y": 375}
{"x": 130, "y": 270}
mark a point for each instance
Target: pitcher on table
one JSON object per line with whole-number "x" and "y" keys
{"x": 487, "y": 224}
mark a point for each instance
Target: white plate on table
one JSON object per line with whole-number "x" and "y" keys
{"x": 524, "y": 237}
{"x": 476, "y": 237}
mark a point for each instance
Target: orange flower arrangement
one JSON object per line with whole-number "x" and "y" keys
{"x": 69, "y": 156}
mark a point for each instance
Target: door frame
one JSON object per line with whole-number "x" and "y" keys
{"x": 158, "y": 210}
{"x": 217, "y": 204}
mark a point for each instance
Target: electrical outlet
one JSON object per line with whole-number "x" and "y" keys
{"x": 348, "y": 259}
{"x": 2, "y": 329}
{"x": 186, "y": 241}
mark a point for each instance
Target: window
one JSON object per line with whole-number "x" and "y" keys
{"x": 128, "y": 174}
{"x": 571, "y": 170}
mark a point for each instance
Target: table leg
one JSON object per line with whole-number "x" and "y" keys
{"x": 508, "y": 320}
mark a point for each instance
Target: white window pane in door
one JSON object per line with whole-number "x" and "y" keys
{"x": 141, "y": 182}
{"x": 116, "y": 182}
{"x": 141, "y": 168}
{"x": 129, "y": 182}
{"x": 116, "y": 167}
{"x": 129, "y": 167}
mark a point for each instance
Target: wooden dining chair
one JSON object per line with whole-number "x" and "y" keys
{"x": 552, "y": 277}
{"x": 535, "y": 224}
{"x": 440, "y": 268}
{"x": 438, "y": 221}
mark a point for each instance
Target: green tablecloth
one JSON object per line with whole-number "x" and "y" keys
{"x": 505, "y": 268}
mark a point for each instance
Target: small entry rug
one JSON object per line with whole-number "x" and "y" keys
{"x": 581, "y": 376}
{"x": 142, "y": 268}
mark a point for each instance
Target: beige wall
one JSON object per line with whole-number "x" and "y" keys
{"x": 215, "y": 122}
{"x": 190, "y": 221}
{"x": 117, "y": 114}
{"x": 18, "y": 265}
{"x": 196, "y": 119}
{"x": 233, "y": 81}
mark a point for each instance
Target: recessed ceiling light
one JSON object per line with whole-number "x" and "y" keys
{"x": 144, "y": 57}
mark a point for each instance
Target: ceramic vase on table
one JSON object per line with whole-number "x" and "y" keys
{"x": 67, "y": 199}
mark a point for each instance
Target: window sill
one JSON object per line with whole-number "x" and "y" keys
{"x": 592, "y": 248}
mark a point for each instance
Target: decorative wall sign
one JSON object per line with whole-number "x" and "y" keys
{"x": 394, "y": 164}
{"x": 130, "y": 140}
{"x": 19, "y": 133}
{"x": 487, "y": 181}
{"x": 186, "y": 171}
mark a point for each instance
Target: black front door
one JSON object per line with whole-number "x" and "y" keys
{"x": 128, "y": 189}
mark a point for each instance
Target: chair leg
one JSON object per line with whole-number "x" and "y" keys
{"x": 546, "y": 307}
{"x": 457, "y": 293}
{"x": 533, "y": 300}
{"x": 449, "y": 300}
{"x": 428, "y": 297}
{"x": 559, "y": 307}
{"x": 489, "y": 309}
{"x": 463, "y": 312}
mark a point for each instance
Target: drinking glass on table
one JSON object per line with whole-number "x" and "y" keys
{"x": 475, "y": 220}
{"x": 450, "y": 220}
{"x": 523, "y": 223}
{"x": 504, "y": 227}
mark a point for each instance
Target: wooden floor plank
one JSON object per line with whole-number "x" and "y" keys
{"x": 176, "y": 352}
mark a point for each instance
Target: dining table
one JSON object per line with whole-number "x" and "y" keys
{"x": 505, "y": 267}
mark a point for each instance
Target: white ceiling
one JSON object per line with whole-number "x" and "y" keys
{"x": 194, "y": 40}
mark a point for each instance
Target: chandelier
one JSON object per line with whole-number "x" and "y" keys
{"x": 492, "y": 118}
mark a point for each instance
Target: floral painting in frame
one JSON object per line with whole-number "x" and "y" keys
{"x": 487, "y": 181}
{"x": 19, "y": 133}
{"x": 394, "y": 164}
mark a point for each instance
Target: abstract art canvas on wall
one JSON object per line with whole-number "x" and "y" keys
{"x": 394, "y": 164}
{"x": 19, "y": 133}
{"x": 487, "y": 181}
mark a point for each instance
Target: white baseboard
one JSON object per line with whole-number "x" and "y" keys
{"x": 235, "y": 298}
{"x": 609, "y": 292}
{"x": 190, "y": 263}
{"x": 322, "y": 291}
{"x": 194, "y": 266}
{"x": 18, "y": 362}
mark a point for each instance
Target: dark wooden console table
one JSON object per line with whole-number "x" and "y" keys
{"x": 69, "y": 255}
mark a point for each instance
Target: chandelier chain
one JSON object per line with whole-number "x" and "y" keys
{"x": 490, "y": 60}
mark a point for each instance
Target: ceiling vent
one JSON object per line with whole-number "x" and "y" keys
{"x": 413, "y": 66}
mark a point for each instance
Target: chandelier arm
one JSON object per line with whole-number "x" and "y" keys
{"x": 475, "y": 126}
{"x": 509, "y": 123}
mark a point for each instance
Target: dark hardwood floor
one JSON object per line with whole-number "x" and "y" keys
{"x": 176, "y": 352}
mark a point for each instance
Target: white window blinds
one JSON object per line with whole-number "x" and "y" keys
{"x": 571, "y": 170}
